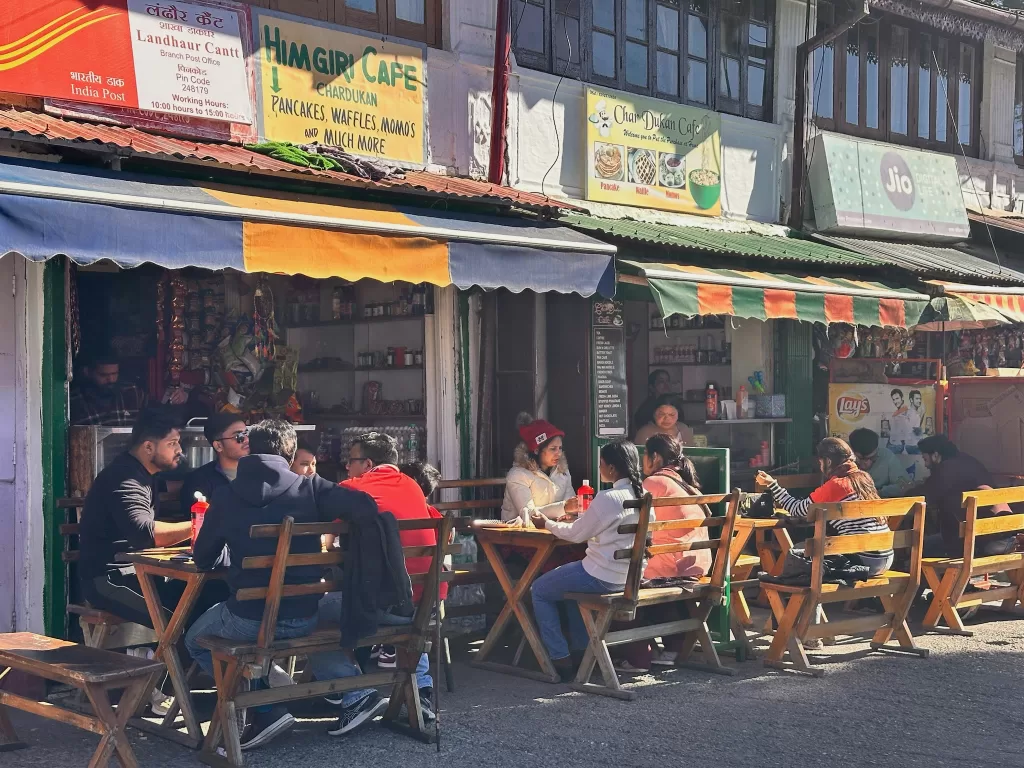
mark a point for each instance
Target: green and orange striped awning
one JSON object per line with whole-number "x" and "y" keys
{"x": 688, "y": 290}
{"x": 1009, "y": 301}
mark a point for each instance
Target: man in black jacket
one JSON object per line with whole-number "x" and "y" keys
{"x": 265, "y": 491}
{"x": 229, "y": 437}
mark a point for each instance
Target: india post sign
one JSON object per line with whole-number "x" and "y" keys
{"x": 169, "y": 56}
{"x": 652, "y": 153}
{"x": 321, "y": 83}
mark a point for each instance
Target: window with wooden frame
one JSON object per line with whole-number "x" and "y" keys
{"x": 890, "y": 79}
{"x": 717, "y": 54}
{"x": 410, "y": 19}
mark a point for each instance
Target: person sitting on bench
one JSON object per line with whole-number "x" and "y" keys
{"x": 599, "y": 571}
{"x": 120, "y": 514}
{"x": 264, "y": 492}
{"x": 844, "y": 481}
{"x": 952, "y": 473}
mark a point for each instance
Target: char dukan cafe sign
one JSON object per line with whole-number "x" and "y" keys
{"x": 871, "y": 189}
{"x": 176, "y": 58}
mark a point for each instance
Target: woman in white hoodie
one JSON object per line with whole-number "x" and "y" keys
{"x": 539, "y": 481}
{"x": 599, "y": 571}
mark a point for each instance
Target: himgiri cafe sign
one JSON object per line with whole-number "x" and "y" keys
{"x": 319, "y": 82}
{"x": 179, "y": 58}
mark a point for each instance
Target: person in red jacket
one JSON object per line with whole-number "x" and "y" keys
{"x": 373, "y": 469}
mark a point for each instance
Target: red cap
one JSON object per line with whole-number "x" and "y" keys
{"x": 536, "y": 433}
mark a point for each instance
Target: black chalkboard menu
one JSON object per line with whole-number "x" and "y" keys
{"x": 612, "y": 415}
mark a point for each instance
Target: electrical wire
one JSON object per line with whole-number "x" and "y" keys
{"x": 956, "y": 131}
{"x": 554, "y": 96}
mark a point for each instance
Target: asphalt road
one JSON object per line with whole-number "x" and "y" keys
{"x": 961, "y": 707}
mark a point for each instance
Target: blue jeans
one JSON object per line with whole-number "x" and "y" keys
{"x": 221, "y": 622}
{"x": 548, "y": 591}
{"x": 329, "y": 613}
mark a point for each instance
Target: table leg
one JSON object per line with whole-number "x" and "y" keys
{"x": 115, "y": 740}
{"x": 514, "y": 594}
{"x": 168, "y": 633}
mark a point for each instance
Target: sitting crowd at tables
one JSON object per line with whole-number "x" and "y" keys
{"x": 258, "y": 476}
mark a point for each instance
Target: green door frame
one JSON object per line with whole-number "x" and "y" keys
{"x": 53, "y": 446}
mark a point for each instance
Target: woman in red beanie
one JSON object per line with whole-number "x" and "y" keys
{"x": 539, "y": 481}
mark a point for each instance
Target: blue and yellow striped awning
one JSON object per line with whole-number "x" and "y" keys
{"x": 688, "y": 290}
{"x": 90, "y": 215}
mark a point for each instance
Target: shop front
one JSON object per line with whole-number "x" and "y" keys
{"x": 734, "y": 349}
{"x": 339, "y": 316}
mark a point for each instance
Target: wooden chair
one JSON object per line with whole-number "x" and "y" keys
{"x": 233, "y": 659}
{"x": 93, "y": 671}
{"x": 100, "y": 629}
{"x": 949, "y": 577}
{"x": 599, "y": 610}
{"x": 488, "y": 493}
{"x": 896, "y": 589}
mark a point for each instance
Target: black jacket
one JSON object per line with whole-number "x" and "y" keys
{"x": 265, "y": 492}
{"x": 206, "y": 479}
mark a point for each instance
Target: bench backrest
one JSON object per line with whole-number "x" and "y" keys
{"x": 822, "y": 544}
{"x": 289, "y": 531}
{"x": 643, "y": 549}
{"x": 973, "y": 526}
{"x": 486, "y": 495}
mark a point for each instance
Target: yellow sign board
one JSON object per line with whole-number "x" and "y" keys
{"x": 653, "y": 154}
{"x": 321, "y": 83}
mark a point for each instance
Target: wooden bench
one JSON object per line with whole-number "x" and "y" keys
{"x": 233, "y": 659}
{"x": 100, "y": 629}
{"x": 95, "y": 672}
{"x": 798, "y": 605}
{"x": 599, "y": 610}
{"x": 948, "y": 577}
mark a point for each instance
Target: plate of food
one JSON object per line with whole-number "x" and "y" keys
{"x": 642, "y": 167}
{"x": 608, "y": 162}
{"x": 672, "y": 170}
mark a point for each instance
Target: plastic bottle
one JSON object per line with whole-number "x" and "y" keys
{"x": 741, "y": 403}
{"x": 585, "y": 495}
{"x": 711, "y": 402}
{"x": 765, "y": 454}
{"x": 199, "y": 507}
{"x": 414, "y": 443}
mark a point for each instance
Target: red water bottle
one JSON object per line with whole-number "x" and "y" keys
{"x": 199, "y": 508}
{"x": 585, "y": 495}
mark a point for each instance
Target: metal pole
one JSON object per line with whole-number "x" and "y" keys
{"x": 803, "y": 54}
{"x": 499, "y": 93}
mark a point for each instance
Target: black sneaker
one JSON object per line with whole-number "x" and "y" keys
{"x": 388, "y": 658}
{"x": 266, "y": 726}
{"x": 426, "y": 707}
{"x": 359, "y": 714}
{"x": 375, "y": 651}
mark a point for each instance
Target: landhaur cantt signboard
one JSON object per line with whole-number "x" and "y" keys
{"x": 322, "y": 83}
{"x": 177, "y": 58}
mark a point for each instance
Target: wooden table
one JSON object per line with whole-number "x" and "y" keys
{"x": 543, "y": 543}
{"x": 94, "y": 671}
{"x": 149, "y": 565}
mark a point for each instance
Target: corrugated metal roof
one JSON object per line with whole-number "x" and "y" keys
{"x": 930, "y": 260}
{"x": 19, "y": 124}
{"x": 744, "y": 244}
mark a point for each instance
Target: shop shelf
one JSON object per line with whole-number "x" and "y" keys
{"x": 690, "y": 365}
{"x": 360, "y": 321}
{"x": 332, "y": 368}
{"x": 362, "y": 417}
{"x": 392, "y": 368}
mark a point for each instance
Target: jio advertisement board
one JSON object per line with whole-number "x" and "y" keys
{"x": 900, "y": 414}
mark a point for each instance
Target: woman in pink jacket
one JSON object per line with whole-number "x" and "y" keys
{"x": 669, "y": 473}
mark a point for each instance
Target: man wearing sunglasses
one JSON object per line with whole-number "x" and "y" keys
{"x": 229, "y": 436}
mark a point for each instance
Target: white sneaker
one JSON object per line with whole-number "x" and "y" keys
{"x": 160, "y": 702}
{"x": 279, "y": 678}
{"x": 664, "y": 658}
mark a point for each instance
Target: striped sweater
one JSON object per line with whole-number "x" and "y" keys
{"x": 836, "y": 489}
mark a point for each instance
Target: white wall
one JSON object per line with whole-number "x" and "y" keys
{"x": 21, "y": 521}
